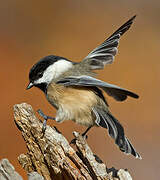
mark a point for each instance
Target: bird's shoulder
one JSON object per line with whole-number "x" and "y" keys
{"x": 78, "y": 69}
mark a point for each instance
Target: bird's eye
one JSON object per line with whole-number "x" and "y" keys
{"x": 40, "y": 74}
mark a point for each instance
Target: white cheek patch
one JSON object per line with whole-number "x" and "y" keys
{"x": 54, "y": 71}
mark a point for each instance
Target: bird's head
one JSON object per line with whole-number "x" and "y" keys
{"x": 47, "y": 69}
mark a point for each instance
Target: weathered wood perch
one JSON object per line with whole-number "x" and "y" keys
{"x": 52, "y": 156}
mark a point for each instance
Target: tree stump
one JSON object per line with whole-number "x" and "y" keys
{"x": 51, "y": 156}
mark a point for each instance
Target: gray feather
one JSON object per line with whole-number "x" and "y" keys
{"x": 116, "y": 92}
{"x": 115, "y": 130}
{"x": 105, "y": 53}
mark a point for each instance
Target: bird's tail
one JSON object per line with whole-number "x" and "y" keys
{"x": 115, "y": 130}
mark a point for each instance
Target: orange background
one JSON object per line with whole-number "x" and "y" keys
{"x": 31, "y": 29}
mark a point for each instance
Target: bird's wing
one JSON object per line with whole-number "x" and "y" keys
{"x": 105, "y": 53}
{"x": 116, "y": 92}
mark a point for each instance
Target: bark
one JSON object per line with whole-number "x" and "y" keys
{"x": 7, "y": 172}
{"x": 52, "y": 157}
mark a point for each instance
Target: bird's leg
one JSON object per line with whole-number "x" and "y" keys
{"x": 73, "y": 141}
{"x": 45, "y": 119}
{"x": 85, "y": 132}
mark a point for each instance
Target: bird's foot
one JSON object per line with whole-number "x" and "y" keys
{"x": 45, "y": 119}
{"x": 73, "y": 141}
{"x": 84, "y": 135}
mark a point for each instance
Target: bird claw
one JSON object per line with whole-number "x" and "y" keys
{"x": 84, "y": 136}
{"x": 73, "y": 141}
{"x": 44, "y": 126}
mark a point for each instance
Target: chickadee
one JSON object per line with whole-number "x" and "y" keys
{"x": 77, "y": 95}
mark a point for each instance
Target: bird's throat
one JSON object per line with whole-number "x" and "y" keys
{"x": 42, "y": 86}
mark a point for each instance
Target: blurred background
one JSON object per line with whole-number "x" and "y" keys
{"x": 31, "y": 29}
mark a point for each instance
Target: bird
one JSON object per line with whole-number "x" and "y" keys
{"x": 74, "y": 91}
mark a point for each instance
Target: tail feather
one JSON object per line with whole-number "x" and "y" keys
{"x": 115, "y": 130}
{"x": 132, "y": 150}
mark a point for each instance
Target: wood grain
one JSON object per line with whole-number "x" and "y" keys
{"x": 51, "y": 155}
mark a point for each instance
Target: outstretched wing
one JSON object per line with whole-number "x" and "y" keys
{"x": 116, "y": 92}
{"x": 105, "y": 53}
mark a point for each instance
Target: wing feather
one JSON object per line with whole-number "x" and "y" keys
{"x": 116, "y": 92}
{"x": 105, "y": 53}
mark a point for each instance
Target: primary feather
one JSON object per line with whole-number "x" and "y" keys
{"x": 105, "y": 53}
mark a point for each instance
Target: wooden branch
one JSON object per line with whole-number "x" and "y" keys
{"x": 7, "y": 171}
{"x": 52, "y": 156}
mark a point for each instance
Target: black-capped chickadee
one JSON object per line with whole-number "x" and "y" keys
{"x": 77, "y": 95}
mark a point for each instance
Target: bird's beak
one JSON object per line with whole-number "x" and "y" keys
{"x": 30, "y": 85}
